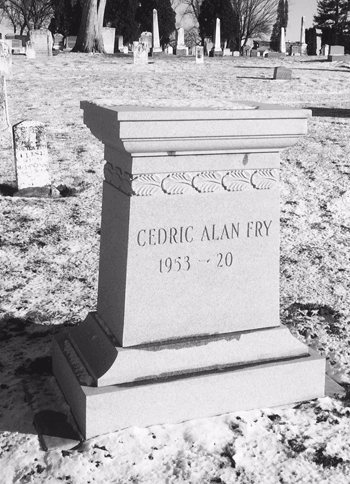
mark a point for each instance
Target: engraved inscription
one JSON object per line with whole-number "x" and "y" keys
{"x": 209, "y": 233}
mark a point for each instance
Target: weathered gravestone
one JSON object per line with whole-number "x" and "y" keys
{"x": 31, "y": 155}
{"x": 282, "y": 73}
{"x": 140, "y": 50}
{"x": 146, "y": 37}
{"x": 181, "y": 49}
{"x": 42, "y": 42}
{"x": 199, "y": 54}
{"x": 58, "y": 42}
{"x": 187, "y": 322}
{"x": 108, "y": 35}
{"x": 5, "y": 125}
{"x": 70, "y": 42}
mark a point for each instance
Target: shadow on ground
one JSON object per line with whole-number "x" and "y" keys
{"x": 32, "y": 401}
{"x": 329, "y": 112}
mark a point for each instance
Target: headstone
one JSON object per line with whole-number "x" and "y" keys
{"x": 42, "y": 41}
{"x": 5, "y": 60}
{"x": 146, "y": 37}
{"x": 254, "y": 53}
{"x": 156, "y": 43}
{"x": 126, "y": 49}
{"x": 217, "y": 48}
{"x": 199, "y": 54}
{"x": 226, "y": 52}
{"x": 17, "y": 47}
{"x": 140, "y": 51}
{"x": 282, "y": 41}
{"x": 118, "y": 43}
{"x": 303, "y": 45}
{"x": 30, "y": 51}
{"x": 208, "y": 46}
{"x": 319, "y": 45}
{"x": 70, "y": 42}
{"x": 58, "y": 42}
{"x": 236, "y": 53}
{"x": 181, "y": 49}
{"x": 336, "y": 50}
{"x": 108, "y": 35}
{"x": 170, "y": 50}
{"x": 282, "y": 73}
{"x": 325, "y": 50}
{"x": 187, "y": 322}
{"x": 31, "y": 155}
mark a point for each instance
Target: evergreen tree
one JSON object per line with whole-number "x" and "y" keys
{"x": 281, "y": 21}
{"x": 210, "y": 10}
{"x": 121, "y": 14}
{"x": 334, "y": 20}
{"x": 166, "y": 18}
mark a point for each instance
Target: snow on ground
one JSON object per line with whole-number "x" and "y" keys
{"x": 49, "y": 265}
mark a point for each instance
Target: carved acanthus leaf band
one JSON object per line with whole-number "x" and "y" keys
{"x": 180, "y": 183}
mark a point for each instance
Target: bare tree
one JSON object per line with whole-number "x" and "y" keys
{"x": 27, "y": 14}
{"x": 192, "y": 10}
{"x": 90, "y": 32}
{"x": 255, "y": 18}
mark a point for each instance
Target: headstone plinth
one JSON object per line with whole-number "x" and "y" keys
{"x": 187, "y": 322}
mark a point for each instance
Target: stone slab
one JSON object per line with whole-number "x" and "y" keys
{"x": 108, "y": 363}
{"x": 108, "y": 35}
{"x": 282, "y": 73}
{"x": 275, "y": 54}
{"x": 173, "y": 400}
{"x": 42, "y": 41}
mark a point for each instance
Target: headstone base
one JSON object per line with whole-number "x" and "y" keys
{"x": 275, "y": 54}
{"x": 218, "y": 53}
{"x": 344, "y": 57}
{"x": 110, "y": 388}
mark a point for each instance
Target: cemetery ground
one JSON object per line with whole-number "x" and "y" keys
{"x": 49, "y": 251}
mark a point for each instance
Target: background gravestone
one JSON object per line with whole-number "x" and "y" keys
{"x": 282, "y": 73}
{"x": 42, "y": 41}
{"x": 108, "y": 35}
{"x": 140, "y": 50}
{"x": 31, "y": 155}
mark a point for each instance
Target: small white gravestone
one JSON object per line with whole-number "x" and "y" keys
{"x": 126, "y": 49}
{"x": 5, "y": 60}
{"x": 31, "y": 155}
{"x": 181, "y": 49}
{"x": 199, "y": 54}
{"x": 30, "y": 51}
{"x": 140, "y": 53}
{"x": 170, "y": 50}
{"x": 236, "y": 53}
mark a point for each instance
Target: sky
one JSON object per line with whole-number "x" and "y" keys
{"x": 297, "y": 9}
